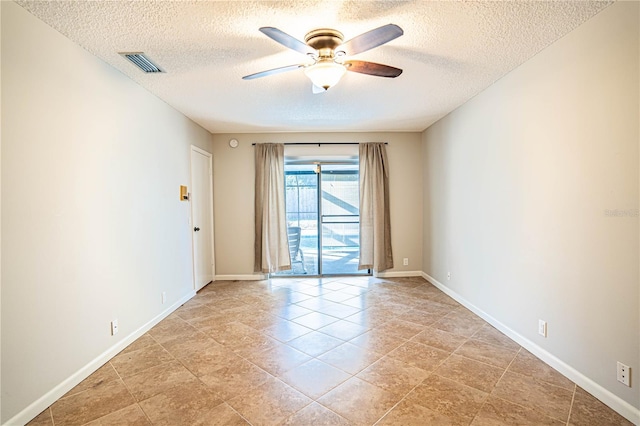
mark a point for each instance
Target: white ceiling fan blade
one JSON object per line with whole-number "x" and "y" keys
{"x": 288, "y": 41}
{"x": 272, "y": 72}
{"x": 370, "y": 39}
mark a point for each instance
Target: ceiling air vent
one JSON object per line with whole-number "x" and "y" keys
{"x": 142, "y": 62}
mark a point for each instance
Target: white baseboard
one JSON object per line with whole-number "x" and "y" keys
{"x": 57, "y": 392}
{"x": 260, "y": 277}
{"x": 616, "y": 403}
{"x": 246, "y": 277}
{"x": 397, "y": 274}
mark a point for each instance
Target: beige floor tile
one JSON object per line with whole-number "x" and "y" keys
{"x": 393, "y": 375}
{"x": 350, "y": 358}
{"x": 335, "y": 285}
{"x": 380, "y": 341}
{"x": 528, "y": 364}
{"x": 439, "y": 339}
{"x": 443, "y": 298}
{"x": 587, "y": 410}
{"x": 193, "y": 312}
{"x": 410, "y": 413}
{"x": 285, "y": 330}
{"x": 553, "y": 401}
{"x": 337, "y": 296}
{"x": 228, "y": 305}
{"x": 142, "y": 342}
{"x": 498, "y": 412}
{"x": 290, "y": 312}
{"x": 359, "y": 401}
{"x": 339, "y": 310}
{"x": 169, "y": 328}
{"x": 370, "y": 317}
{"x": 461, "y": 326}
{"x": 344, "y": 330}
{"x": 296, "y": 297}
{"x": 91, "y": 404}
{"x": 315, "y": 343}
{"x": 279, "y": 359}
{"x": 354, "y": 290}
{"x": 259, "y": 320}
{"x": 128, "y": 416}
{"x": 315, "y": 320}
{"x": 130, "y": 363}
{"x": 313, "y": 290}
{"x": 489, "y": 334}
{"x": 252, "y": 343}
{"x": 314, "y": 378}
{"x": 187, "y": 344}
{"x": 472, "y": 373}
{"x": 498, "y": 356}
{"x": 208, "y": 359}
{"x": 158, "y": 379}
{"x": 433, "y": 307}
{"x": 233, "y": 379}
{"x": 422, "y": 356}
{"x": 441, "y": 361}
{"x": 228, "y": 334}
{"x": 316, "y": 415}
{"x": 458, "y": 402}
{"x": 102, "y": 375}
{"x": 402, "y": 328}
{"x": 270, "y": 403}
{"x": 358, "y": 301}
{"x": 204, "y": 324}
{"x": 42, "y": 419}
{"x": 420, "y": 317}
{"x": 224, "y": 415}
{"x": 182, "y": 405}
{"x": 313, "y": 303}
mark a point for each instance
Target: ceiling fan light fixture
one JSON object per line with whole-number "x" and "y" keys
{"x": 325, "y": 74}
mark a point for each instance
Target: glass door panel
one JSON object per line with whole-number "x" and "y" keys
{"x": 301, "y": 195}
{"x": 340, "y": 219}
{"x": 323, "y": 225}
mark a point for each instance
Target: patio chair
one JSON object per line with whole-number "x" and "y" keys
{"x": 294, "y": 233}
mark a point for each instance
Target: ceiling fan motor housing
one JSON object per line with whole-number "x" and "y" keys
{"x": 324, "y": 40}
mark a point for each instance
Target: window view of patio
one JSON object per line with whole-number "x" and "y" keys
{"x": 323, "y": 219}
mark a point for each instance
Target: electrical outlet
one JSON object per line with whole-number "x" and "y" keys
{"x": 542, "y": 328}
{"x": 114, "y": 327}
{"x": 164, "y": 297}
{"x": 624, "y": 374}
{"x": 448, "y": 275}
{"x": 405, "y": 261}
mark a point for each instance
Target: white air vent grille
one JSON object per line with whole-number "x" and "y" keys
{"x": 142, "y": 62}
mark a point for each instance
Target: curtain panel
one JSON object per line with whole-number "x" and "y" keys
{"x": 271, "y": 241}
{"x": 375, "y": 223}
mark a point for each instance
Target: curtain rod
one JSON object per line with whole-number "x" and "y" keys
{"x": 321, "y": 143}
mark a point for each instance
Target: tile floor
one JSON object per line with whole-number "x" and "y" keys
{"x": 339, "y": 351}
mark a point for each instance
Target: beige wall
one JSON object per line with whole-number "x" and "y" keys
{"x": 517, "y": 185}
{"x": 233, "y": 193}
{"x": 92, "y": 228}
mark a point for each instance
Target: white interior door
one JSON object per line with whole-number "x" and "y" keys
{"x": 202, "y": 217}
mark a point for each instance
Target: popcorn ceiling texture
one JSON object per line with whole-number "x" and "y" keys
{"x": 450, "y": 51}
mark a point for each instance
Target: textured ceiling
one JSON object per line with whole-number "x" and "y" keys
{"x": 449, "y": 52}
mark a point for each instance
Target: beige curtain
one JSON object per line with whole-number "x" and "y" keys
{"x": 375, "y": 224}
{"x": 271, "y": 242}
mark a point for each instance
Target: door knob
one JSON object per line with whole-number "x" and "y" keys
{"x": 196, "y": 229}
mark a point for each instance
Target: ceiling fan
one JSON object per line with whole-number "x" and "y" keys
{"x": 325, "y": 47}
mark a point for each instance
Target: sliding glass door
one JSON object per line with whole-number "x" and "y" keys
{"x": 323, "y": 218}
{"x": 339, "y": 219}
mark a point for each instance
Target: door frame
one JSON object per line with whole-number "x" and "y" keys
{"x": 319, "y": 164}
{"x": 211, "y": 221}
